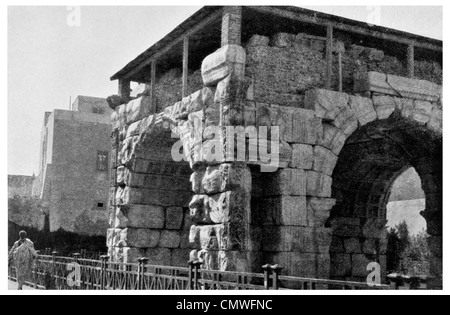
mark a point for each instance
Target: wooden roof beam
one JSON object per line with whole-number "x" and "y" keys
{"x": 177, "y": 41}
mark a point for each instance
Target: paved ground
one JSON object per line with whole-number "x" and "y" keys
{"x": 13, "y": 286}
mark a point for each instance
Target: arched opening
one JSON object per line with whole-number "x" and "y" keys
{"x": 151, "y": 214}
{"x": 369, "y": 164}
{"x": 408, "y": 250}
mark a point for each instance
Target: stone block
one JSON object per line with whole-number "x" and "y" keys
{"x": 201, "y": 236}
{"x": 219, "y": 208}
{"x": 196, "y": 180}
{"x": 341, "y": 265}
{"x": 363, "y": 109}
{"x": 326, "y": 104}
{"x": 318, "y": 184}
{"x": 180, "y": 258}
{"x": 282, "y": 40}
{"x": 113, "y": 237}
{"x": 170, "y": 239}
{"x": 302, "y": 156}
{"x": 143, "y": 216}
{"x": 296, "y": 239}
{"x": 120, "y": 120}
{"x": 319, "y": 210}
{"x": 435, "y": 122}
{"x": 129, "y": 254}
{"x": 231, "y": 91}
{"x": 384, "y": 106}
{"x": 284, "y": 210}
{"x": 139, "y": 108}
{"x": 212, "y": 115}
{"x": 307, "y": 128}
{"x": 249, "y": 116}
{"x": 159, "y": 256}
{"x": 347, "y": 121}
{"x": 174, "y": 218}
{"x": 346, "y": 227}
{"x": 286, "y": 182}
{"x": 236, "y": 261}
{"x": 370, "y": 246}
{"x": 352, "y": 246}
{"x": 375, "y": 228}
{"x": 226, "y": 177}
{"x": 200, "y": 100}
{"x": 117, "y": 218}
{"x": 395, "y": 85}
{"x": 209, "y": 237}
{"x": 228, "y": 59}
{"x": 404, "y": 106}
{"x": 284, "y": 156}
{"x": 114, "y": 101}
{"x": 113, "y": 196}
{"x": 285, "y": 121}
{"x": 144, "y": 196}
{"x": 119, "y": 191}
{"x": 115, "y": 121}
{"x": 422, "y": 112}
{"x": 140, "y": 238}
{"x": 324, "y": 160}
{"x": 121, "y": 173}
{"x": 126, "y": 151}
{"x": 258, "y": 40}
{"x": 172, "y": 183}
{"x": 333, "y": 138}
{"x": 134, "y": 129}
{"x": 337, "y": 246}
{"x": 281, "y": 117}
{"x": 263, "y": 115}
{"x": 184, "y": 241}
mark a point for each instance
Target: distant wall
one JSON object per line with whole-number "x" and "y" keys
{"x": 77, "y": 187}
{"x": 19, "y": 185}
{"x": 91, "y": 105}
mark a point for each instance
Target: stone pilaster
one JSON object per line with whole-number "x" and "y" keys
{"x": 231, "y": 25}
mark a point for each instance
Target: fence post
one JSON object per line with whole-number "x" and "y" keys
{"x": 54, "y": 253}
{"x": 35, "y": 271}
{"x": 266, "y": 269}
{"x": 194, "y": 274}
{"x": 103, "y": 269}
{"x": 191, "y": 270}
{"x": 276, "y": 272}
{"x": 197, "y": 265}
{"x": 141, "y": 271}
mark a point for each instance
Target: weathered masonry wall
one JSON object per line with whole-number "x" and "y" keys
{"x": 149, "y": 194}
{"x": 285, "y": 66}
{"x": 319, "y": 221}
{"x": 237, "y": 218}
{"x": 169, "y": 87}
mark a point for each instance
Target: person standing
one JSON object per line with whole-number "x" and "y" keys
{"x": 23, "y": 254}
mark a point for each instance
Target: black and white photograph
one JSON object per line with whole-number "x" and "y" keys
{"x": 201, "y": 147}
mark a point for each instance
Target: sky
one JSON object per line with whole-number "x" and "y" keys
{"x": 51, "y": 61}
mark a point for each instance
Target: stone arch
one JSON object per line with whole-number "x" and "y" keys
{"x": 367, "y": 143}
{"x": 150, "y": 192}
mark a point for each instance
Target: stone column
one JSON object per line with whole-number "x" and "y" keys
{"x": 231, "y": 25}
{"x": 430, "y": 172}
{"x": 222, "y": 232}
{"x": 124, "y": 89}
